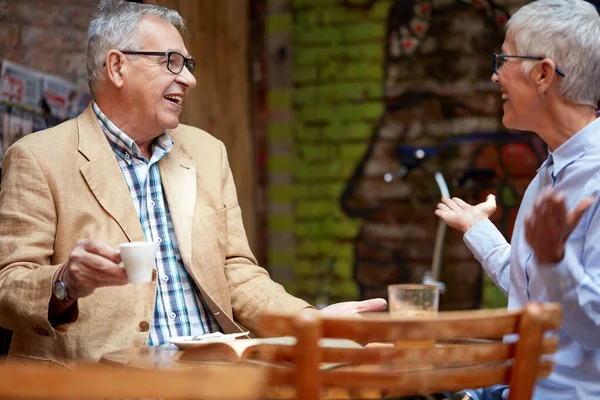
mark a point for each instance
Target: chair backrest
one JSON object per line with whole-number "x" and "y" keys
{"x": 33, "y": 381}
{"x": 471, "y": 350}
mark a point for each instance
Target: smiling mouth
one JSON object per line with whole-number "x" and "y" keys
{"x": 174, "y": 98}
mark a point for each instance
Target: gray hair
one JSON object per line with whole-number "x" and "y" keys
{"x": 114, "y": 26}
{"x": 567, "y": 32}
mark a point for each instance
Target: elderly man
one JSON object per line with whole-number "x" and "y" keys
{"x": 548, "y": 76}
{"x": 126, "y": 170}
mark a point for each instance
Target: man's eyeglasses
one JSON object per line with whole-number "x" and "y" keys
{"x": 175, "y": 61}
{"x": 499, "y": 60}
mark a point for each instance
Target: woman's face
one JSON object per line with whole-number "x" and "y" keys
{"x": 519, "y": 94}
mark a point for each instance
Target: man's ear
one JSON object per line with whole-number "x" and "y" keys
{"x": 544, "y": 74}
{"x": 115, "y": 67}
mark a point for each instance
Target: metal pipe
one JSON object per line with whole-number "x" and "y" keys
{"x": 434, "y": 275}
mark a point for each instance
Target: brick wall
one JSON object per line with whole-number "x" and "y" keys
{"x": 47, "y": 36}
{"x": 361, "y": 86}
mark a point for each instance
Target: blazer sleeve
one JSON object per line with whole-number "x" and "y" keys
{"x": 28, "y": 221}
{"x": 251, "y": 289}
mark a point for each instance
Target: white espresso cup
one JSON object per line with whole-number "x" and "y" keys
{"x": 138, "y": 260}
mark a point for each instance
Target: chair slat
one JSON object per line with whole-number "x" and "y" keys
{"x": 94, "y": 382}
{"x": 442, "y": 354}
{"x": 459, "y": 352}
{"x": 404, "y": 383}
{"x": 445, "y": 326}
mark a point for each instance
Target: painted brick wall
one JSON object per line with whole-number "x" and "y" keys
{"x": 335, "y": 96}
{"x": 47, "y": 36}
{"x": 354, "y": 88}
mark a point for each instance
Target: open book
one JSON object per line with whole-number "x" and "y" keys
{"x": 265, "y": 349}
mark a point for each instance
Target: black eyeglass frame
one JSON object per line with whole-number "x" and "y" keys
{"x": 502, "y": 57}
{"x": 188, "y": 62}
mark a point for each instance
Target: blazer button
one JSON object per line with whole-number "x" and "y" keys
{"x": 144, "y": 326}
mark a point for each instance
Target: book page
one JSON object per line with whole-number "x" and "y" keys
{"x": 279, "y": 348}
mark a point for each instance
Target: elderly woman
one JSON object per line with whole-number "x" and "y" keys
{"x": 549, "y": 77}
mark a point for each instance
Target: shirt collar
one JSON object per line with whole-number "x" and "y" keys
{"x": 124, "y": 146}
{"x": 574, "y": 148}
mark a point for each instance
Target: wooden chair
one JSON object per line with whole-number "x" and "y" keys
{"x": 469, "y": 351}
{"x": 33, "y": 381}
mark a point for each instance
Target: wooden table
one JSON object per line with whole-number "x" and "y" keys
{"x": 167, "y": 357}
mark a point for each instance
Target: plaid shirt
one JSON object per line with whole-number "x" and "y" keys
{"x": 179, "y": 309}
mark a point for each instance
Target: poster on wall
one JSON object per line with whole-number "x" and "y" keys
{"x": 14, "y": 127}
{"x": 57, "y": 94}
{"x": 20, "y": 86}
{"x": 31, "y": 101}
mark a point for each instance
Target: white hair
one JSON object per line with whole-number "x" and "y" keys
{"x": 567, "y": 32}
{"x": 114, "y": 26}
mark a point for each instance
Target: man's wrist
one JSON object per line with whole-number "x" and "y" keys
{"x": 470, "y": 224}
{"x": 58, "y": 310}
{"x": 60, "y": 290}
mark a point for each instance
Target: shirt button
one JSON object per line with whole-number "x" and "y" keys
{"x": 152, "y": 203}
{"x": 127, "y": 156}
{"x": 173, "y": 315}
{"x": 144, "y": 326}
{"x": 159, "y": 240}
{"x": 166, "y": 278}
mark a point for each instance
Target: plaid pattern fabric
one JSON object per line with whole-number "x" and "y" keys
{"x": 496, "y": 392}
{"x": 179, "y": 309}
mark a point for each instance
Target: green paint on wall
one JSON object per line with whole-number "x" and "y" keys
{"x": 344, "y": 269}
{"x": 279, "y": 99}
{"x": 321, "y": 152}
{"x": 364, "y": 31}
{"x": 352, "y": 152}
{"x": 316, "y": 209}
{"x": 281, "y": 223}
{"x": 337, "y": 93}
{"x": 281, "y": 163}
{"x": 278, "y": 23}
{"x": 492, "y": 296}
{"x": 343, "y": 112}
{"x": 281, "y": 193}
{"x": 307, "y": 56}
{"x": 298, "y": 4}
{"x": 345, "y": 252}
{"x": 305, "y": 75}
{"x": 347, "y": 132}
{"x": 345, "y": 290}
{"x": 281, "y": 257}
{"x": 277, "y": 131}
{"x": 309, "y": 229}
{"x": 343, "y": 229}
{"x": 308, "y": 248}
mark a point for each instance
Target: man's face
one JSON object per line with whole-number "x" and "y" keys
{"x": 519, "y": 94}
{"x": 157, "y": 92}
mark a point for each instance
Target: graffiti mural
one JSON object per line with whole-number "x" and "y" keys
{"x": 442, "y": 113}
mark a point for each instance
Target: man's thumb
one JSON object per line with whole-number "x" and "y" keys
{"x": 575, "y": 215}
{"x": 489, "y": 206}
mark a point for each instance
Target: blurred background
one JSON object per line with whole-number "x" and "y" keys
{"x": 316, "y": 101}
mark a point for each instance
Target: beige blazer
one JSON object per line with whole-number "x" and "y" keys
{"x": 63, "y": 184}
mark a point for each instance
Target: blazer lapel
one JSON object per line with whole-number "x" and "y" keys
{"x": 180, "y": 184}
{"x": 104, "y": 177}
{"x": 178, "y": 176}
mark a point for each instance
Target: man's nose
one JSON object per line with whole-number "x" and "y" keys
{"x": 495, "y": 78}
{"x": 185, "y": 77}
